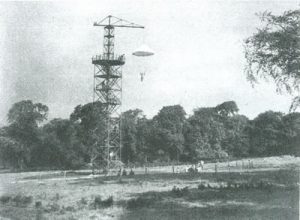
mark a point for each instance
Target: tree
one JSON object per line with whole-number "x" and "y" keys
{"x": 60, "y": 146}
{"x": 130, "y": 120}
{"x": 274, "y": 52}
{"x": 11, "y": 153}
{"x": 204, "y": 133}
{"x": 91, "y": 130}
{"x": 27, "y": 114}
{"x": 292, "y": 134}
{"x": 169, "y": 130}
{"x": 228, "y": 108}
{"x": 24, "y": 118}
{"x": 236, "y": 141}
{"x": 144, "y": 132}
{"x": 267, "y": 137}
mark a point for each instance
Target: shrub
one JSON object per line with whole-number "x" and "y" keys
{"x": 145, "y": 200}
{"x": 83, "y": 201}
{"x": 26, "y": 200}
{"x": 69, "y": 208}
{"x": 5, "y": 199}
{"x": 52, "y": 207}
{"x": 38, "y": 204}
{"x": 107, "y": 202}
{"x": 201, "y": 186}
{"x": 185, "y": 190}
{"x": 139, "y": 202}
{"x": 20, "y": 200}
{"x": 179, "y": 192}
{"x": 99, "y": 203}
{"x": 17, "y": 199}
{"x": 191, "y": 170}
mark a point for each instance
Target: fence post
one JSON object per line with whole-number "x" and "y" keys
{"x": 228, "y": 166}
{"x": 173, "y": 169}
{"x": 216, "y": 168}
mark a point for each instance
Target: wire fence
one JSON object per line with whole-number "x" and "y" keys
{"x": 229, "y": 166}
{"x": 242, "y": 165}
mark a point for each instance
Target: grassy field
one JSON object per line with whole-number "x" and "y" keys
{"x": 239, "y": 194}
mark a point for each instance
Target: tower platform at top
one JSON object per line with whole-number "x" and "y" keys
{"x": 112, "y": 60}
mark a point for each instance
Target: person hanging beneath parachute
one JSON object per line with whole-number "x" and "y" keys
{"x": 142, "y": 76}
{"x": 142, "y": 52}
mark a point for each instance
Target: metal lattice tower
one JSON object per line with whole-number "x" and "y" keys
{"x": 108, "y": 86}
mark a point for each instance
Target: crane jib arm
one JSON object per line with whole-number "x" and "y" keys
{"x": 107, "y": 25}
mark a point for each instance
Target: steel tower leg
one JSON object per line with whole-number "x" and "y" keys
{"x": 108, "y": 91}
{"x": 108, "y": 88}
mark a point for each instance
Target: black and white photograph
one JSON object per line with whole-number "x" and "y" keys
{"x": 150, "y": 110}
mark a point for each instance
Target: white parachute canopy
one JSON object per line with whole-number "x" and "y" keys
{"x": 142, "y": 59}
{"x": 143, "y": 51}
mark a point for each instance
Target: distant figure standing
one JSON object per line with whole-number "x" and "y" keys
{"x": 201, "y": 164}
{"x": 119, "y": 172}
{"x": 131, "y": 172}
{"x": 142, "y": 76}
{"x": 186, "y": 169}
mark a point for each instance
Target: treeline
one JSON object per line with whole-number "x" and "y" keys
{"x": 209, "y": 133}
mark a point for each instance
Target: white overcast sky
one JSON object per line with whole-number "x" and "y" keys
{"x": 46, "y": 50}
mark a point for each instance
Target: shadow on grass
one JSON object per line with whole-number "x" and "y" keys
{"x": 273, "y": 203}
{"x": 176, "y": 211}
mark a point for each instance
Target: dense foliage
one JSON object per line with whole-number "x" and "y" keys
{"x": 209, "y": 133}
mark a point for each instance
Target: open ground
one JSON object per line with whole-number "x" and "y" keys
{"x": 267, "y": 189}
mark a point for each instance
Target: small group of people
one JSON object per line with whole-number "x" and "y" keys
{"x": 123, "y": 172}
{"x": 195, "y": 167}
